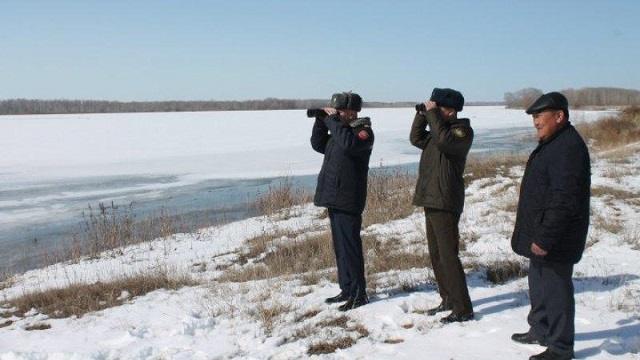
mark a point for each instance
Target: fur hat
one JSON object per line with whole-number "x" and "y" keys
{"x": 448, "y": 98}
{"x": 346, "y": 101}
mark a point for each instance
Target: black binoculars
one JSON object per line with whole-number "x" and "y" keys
{"x": 421, "y": 107}
{"x": 315, "y": 112}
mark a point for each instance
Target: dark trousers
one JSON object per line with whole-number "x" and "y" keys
{"x": 347, "y": 244}
{"x": 552, "y": 304}
{"x": 443, "y": 240}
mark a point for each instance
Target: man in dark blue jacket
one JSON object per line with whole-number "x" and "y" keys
{"x": 346, "y": 143}
{"x": 551, "y": 225}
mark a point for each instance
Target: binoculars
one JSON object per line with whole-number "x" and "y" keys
{"x": 315, "y": 112}
{"x": 421, "y": 107}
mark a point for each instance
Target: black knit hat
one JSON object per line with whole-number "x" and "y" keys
{"x": 448, "y": 98}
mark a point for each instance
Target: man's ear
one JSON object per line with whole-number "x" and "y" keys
{"x": 559, "y": 117}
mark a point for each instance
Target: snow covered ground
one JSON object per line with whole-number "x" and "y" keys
{"x": 226, "y": 320}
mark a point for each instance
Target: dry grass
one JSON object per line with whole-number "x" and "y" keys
{"x": 113, "y": 226}
{"x": 509, "y": 204}
{"x": 280, "y": 198}
{"x": 468, "y": 237}
{"x": 628, "y": 302}
{"x": 312, "y": 259}
{"x": 617, "y": 172}
{"x": 393, "y": 341}
{"x": 39, "y": 326}
{"x": 6, "y": 281}
{"x": 608, "y": 224}
{"x": 389, "y": 197}
{"x": 79, "y": 299}
{"x": 312, "y": 277}
{"x": 328, "y": 347}
{"x": 293, "y": 257}
{"x": 611, "y": 132}
{"x": 613, "y": 193}
{"x": 621, "y": 155}
{"x": 340, "y": 321}
{"x": 269, "y": 314}
{"x": 260, "y": 244}
{"x": 492, "y": 166}
{"x": 500, "y": 272}
{"x": 632, "y": 237}
{"x": 6, "y": 323}
{"x": 307, "y": 315}
{"x": 110, "y": 227}
{"x": 387, "y": 255}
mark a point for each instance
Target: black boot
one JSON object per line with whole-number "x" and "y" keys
{"x": 456, "y": 318}
{"x": 440, "y": 308}
{"x": 551, "y": 355}
{"x": 527, "y": 338}
{"x": 353, "y": 303}
{"x": 336, "y": 299}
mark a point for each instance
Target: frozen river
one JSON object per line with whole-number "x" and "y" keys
{"x": 209, "y": 164}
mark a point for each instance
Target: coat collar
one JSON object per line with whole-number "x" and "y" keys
{"x": 557, "y": 133}
{"x": 460, "y": 121}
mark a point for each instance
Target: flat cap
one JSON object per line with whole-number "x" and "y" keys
{"x": 553, "y": 100}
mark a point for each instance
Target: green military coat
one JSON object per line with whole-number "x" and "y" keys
{"x": 444, "y": 154}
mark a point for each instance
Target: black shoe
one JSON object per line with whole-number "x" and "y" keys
{"x": 440, "y": 308}
{"x": 336, "y": 299}
{"x": 456, "y": 318}
{"x": 551, "y": 355}
{"x": 353, "y": 303}
{"x": 527, "y": 338}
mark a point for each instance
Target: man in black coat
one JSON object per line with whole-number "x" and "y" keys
{"x": 551, "y": 225}
{"x": 440, "y": 190}
{"x": 346, "y": 143}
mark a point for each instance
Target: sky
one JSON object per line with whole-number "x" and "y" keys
{"x": 246, "y": 49}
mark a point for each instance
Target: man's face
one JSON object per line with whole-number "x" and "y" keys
{"x": 347, "y": 116}
{"x": 547, "y": 123}
{"x": 448, "y": 113}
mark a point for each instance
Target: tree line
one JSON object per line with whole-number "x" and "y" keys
{"x": 578, "y": 98}
{"x": 31, "y": 106}
{"x": 61, "y": 106}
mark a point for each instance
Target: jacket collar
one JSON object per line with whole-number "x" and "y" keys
{"x": 460, "y": 121}
{"x": 557, "y": 133}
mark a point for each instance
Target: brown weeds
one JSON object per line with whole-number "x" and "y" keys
{"x": 328, "y": 347}
{"x": 268, "y": 315}
{"x": 79, "y": 299}
{"x": 389, "y": 197}
{"x": 492, "y": 166}
{"x": 291, "y": 257}
{"x": 39, "y": 326}
{"x": 281, "y": 198}
{"x": 614, "y": 131}
{"x": 500, "y": 272}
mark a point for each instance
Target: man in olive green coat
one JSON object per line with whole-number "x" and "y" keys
{"x": 440, "y": 190}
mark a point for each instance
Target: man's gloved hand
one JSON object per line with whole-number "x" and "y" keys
{"x": 430, "y": 105}
{"x": 330, "y": 111}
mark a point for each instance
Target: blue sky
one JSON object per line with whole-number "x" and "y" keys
{"x": 385, "y": 50}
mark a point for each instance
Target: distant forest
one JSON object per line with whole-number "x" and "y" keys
{"x": 26, "y": 106}
{"x": 578, "y": 98}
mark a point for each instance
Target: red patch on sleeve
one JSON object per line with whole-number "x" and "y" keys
{"x": 363, "y": 135}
